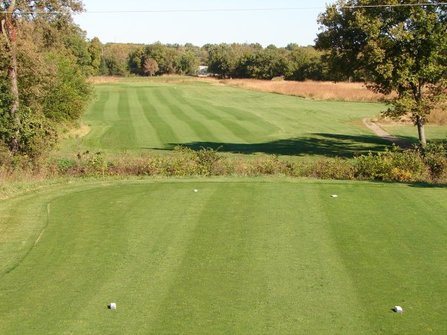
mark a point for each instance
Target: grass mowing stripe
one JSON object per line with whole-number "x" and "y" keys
{"x": 146, "y": 132}
{"x": 96, "y": 110}
{"x": 201, "y": 115}
{"x": 120, "y": 133}
{"x": 228, "y": 130}
{"x": 148, "y": 276}
{"x": 241, "y": 122}
{"x": 153, "y": 113}
{"x": 114, "y": 130}
{"x": 184, "y": 111}
{"x": 263, "y": 106}
{"x": 107, "y": 228}
{"x": 277, "y": 290}
{"x": 175, "y": 116}
{"x": 400, "y": 245}
{"x": 276, "y": 108}
{"x": 254, "y": 108}
{"x": 57, "y": 268}
{"x": 95, "y": 118}
{"x": 111, "y": 112}
{"x": 114, "y": 124}
{"x": 238, "y": 256}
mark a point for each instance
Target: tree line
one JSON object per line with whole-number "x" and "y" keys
{"x": 235, "y": 60}
{"x": 46, "y": 60}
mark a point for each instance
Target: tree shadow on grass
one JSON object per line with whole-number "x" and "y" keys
{"x": 317, "y": 144}
{"x": 428, "y": 185}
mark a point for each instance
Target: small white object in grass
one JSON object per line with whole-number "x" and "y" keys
{"x": 196, "y": 190}
{"x": 112, "y": 306}
{"x": 334, "y": 196}
{"x": 398, "y": 309}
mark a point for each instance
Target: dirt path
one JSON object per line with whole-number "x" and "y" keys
{"x": 379, "y": 131}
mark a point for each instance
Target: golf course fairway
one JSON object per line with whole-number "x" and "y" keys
{"x": 239, "y": 256}
{"x": 143, "y": 115}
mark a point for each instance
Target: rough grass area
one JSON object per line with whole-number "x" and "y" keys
{"x": 319, "y": 90}
{"x": 239, "y": 256}
{"x": 161, "y": 113}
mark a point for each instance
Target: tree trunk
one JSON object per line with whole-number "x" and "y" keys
{"x": 421, "y": 131}
{"x": 12, "y": 72}
{"x": 10, "y": 32}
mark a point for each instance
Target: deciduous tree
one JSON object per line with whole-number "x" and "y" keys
{"x": 150, "y": 67}
{"x": 398, "y": 48}
{"x": 30, "y": 31}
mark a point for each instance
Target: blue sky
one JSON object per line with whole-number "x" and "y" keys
{"x": 265, "y": 27}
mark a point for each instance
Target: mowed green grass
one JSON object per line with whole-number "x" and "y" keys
{"x": 240, "y": 256}
{"x": 139, "y": 115}
{"x": 407, "y": 132}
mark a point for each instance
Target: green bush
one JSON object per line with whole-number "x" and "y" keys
{"x": 64, "y": 165}
{"x": 435, "y": 157}
{"x": 206, "y": 159}
{"x": 429, "y": 165}
{"x": 335, "y": 168}
{"x": 391, "y": 165}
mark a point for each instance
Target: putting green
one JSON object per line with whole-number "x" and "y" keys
{"x": 240, "y": 256}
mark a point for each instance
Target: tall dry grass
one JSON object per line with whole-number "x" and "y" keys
{"x": 319, "y": 90}
{"x": 438, "y": 117}
{"x": 104, "y": 79}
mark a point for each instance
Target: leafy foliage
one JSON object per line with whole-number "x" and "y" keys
{"x": 230, "y": 61}
{"x": 67, "y": 90}
{"x": 48, "y": 58}
{"x": 399, "y": 49}
{"x": 391, "y": 165}
{"x": 150, "y": 67}
{"x": 170, "y": 59}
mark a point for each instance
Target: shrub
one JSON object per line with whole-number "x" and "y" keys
{"x": 435, "y": 157}
{"x": 206, "y": 159}
{"x": 391, "y": 165}
{"x": 335, "y": 168}
{"x": 64, "y": 165}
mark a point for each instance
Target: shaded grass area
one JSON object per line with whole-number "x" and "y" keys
{"x": 319, "y": 144}
{"x": 239, "y": 256}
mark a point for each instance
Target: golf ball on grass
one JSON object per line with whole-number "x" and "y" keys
{"x": 112, "y": 306}
{"x": 196, "y": 190}
{"x": 334, "y": 196}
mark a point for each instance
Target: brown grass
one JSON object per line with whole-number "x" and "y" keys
{"x": 309, "y": 89}
{"x": 103, "y": 79}
{"x": 77, "y": 132}
{"x": 438, "y": 116}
